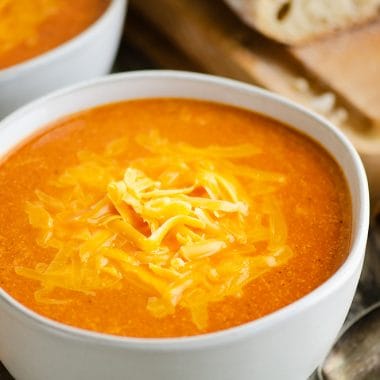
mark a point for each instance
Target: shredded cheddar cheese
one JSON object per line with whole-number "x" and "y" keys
{"x": 20, "y": 20}
{"x": 188, "y": 226}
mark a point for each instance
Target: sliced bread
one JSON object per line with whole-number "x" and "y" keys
{"x": 298, "y": 21}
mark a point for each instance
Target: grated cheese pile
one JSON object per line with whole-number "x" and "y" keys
{"x": 20, "y": 20}
{"x": 187, "y": 225}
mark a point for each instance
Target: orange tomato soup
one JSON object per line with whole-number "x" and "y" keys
{"x": 30, "y": 28}
{"x": 168, "y": 218}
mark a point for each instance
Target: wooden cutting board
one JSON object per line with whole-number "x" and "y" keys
{"x": 211, "y": 34}
{"x": 211, "y": 38}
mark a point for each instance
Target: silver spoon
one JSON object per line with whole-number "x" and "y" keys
{"x": 356, "y": 353}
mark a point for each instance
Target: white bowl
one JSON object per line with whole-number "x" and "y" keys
{"x": 287, "y": 344}
{"x": 86, "y": 56}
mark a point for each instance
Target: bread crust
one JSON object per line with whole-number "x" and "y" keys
{"x": 295, "y": 22}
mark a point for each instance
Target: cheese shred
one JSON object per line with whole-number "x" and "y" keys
{"x": 188, "y": 226}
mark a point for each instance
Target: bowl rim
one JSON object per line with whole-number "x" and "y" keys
{"x": 61, "y": 50}
{"x": 352, "y": 262}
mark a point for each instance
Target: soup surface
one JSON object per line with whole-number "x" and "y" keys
{"x": 168, "y": 217}
{"x": 29, "y": 28}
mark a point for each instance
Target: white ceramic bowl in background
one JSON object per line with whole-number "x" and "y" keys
{"x": 285, "y": 345}
{"x": 86, "y": 56}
